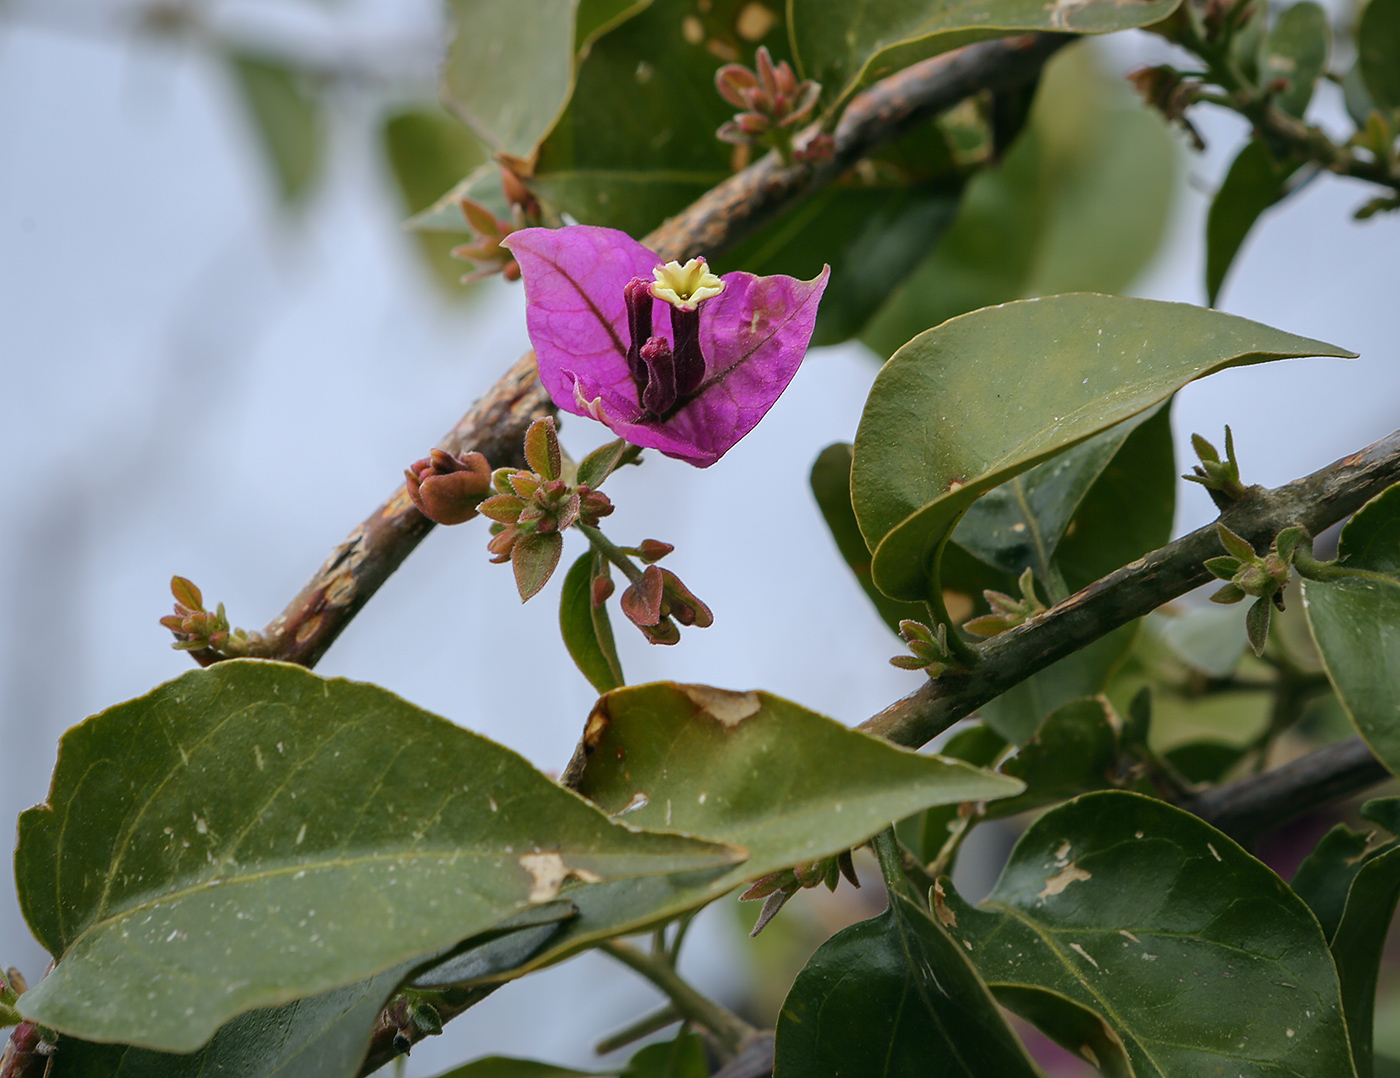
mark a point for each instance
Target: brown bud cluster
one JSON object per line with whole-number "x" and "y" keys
{"x": 447, "y": 489}
{"x": 658, "y": 600}
{"x": 777, "y": 888}
{"x": 1170, "y": 92}
{"x": 773, "y": 101}
{"x": 485, "y": 250}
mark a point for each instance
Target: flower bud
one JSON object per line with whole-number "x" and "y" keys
{"x": 602, "y": 588}
{"x": 641, "y": 602}
{"x": 681, "y": 603}
{"x": 447, "y": 489}
{"x": 593, "y": 505}
{"x": 651, "y": 550}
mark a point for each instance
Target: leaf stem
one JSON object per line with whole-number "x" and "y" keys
{"x": 728, "y": 1028}
{"x": 1311, "y": 569}
{"x": 610, "y": 550}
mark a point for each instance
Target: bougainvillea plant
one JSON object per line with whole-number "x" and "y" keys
{"x": 256, "y": 871}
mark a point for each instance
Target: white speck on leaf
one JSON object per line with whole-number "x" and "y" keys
{"x": 1071, "y": 873}
{"x": 1085, "y": 954}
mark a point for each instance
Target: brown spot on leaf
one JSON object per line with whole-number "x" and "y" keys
{"x": 946, "y": 917}
{"x": 1071, "y": 873}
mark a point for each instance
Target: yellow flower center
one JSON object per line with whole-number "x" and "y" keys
{"x": 685, "y": 287}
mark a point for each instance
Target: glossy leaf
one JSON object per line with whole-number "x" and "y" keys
{"x": 1295, "y": 51}
{"x": 1359, "y": 942}
{"x": 637, "y": 141}
{"x": 511, "y": 68}
{"x": 1326, "y": 874}
{"x": 1255, "y": 182}
{"x": 586, "y": 629}
{"x": 1356, "y": 624}
{"x": 831, "y": 485}
{"x": 1019, "y": 525}
{"x": 288, "y": 117}
{"x": 894, "y": 996}
{"x": 932, "y": 439}
{"x": 1071, "y": 1025}
{"x": 1079, "y": 203}
{"x": 1378, "y": 52}
{"x": 872, "y": 235}
{"x": 1074, "y": 751}
{"x": 875, "y": 40}
{"x": 1196, "y": 954}
{"x": 748, "y": 776}
{"x": 322, "y": 1037}
{"x": 176, "y": 898}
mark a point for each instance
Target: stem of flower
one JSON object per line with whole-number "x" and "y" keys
{"x": 728, "y": 1028}
{"x": 610, "y": 550}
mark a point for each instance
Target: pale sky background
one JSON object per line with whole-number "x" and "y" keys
{"x": 193, "y": 381}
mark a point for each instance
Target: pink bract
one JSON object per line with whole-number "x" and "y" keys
{"x": 753, "y": 335}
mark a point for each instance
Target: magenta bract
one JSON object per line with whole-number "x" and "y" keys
{"x": 753, "y": 336}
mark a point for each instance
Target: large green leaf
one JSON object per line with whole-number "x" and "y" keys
{"x": 1356, "y": 623}
{"x": 321, "y": 1037}
{"x": 1197, "y": 955}
{"x": 681, "y": 1057}
{"x": 1360, "y": 939}
{"x": 1071, "y": 1025}
{"x": 1378, "y": 52}
{"x": 251, "y": 834}
{"x": 1255, "y": 182}
{"x": 785, "y": 783}
{"x": 1078, "y": 204}
{"x": 895, "y": 996}
{"x": 850, "y": 46}
{"x": 637, "y": 140}
{"x": 1295, "y": 52}
{"x": 511, "y": 68}
{"x": 1074, "y": 751}
{"x": 966, "y": 406}
{"x": 288, "y": 116}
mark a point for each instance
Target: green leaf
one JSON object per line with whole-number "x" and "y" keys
{"x": 787, "y": 784}
{"x": 872, "y": 235}
{"x": 1071, "y": 1025}
{"x": 1017, "y": 713}
{"x": 1128, "y": 511}
{"x": 534, "y": 558}
{"x": 1359, "y": 942}
{"x": 1074, "y": 751}
{"x": 511, "y": 68}
{"x": 897, "y": 990}
{"x": 851, "y": 49}
{"x": 1019, "y": 525}
{"x": 251, "y": 834}
{"x": 1206, "y": 760}
{"x": 1198, "y": 956}
{"x": 322, "y": 1037}
{"x": 1378, "y": 52}
{"x": 595, "y": 468}
{"x": 934, "y": 437}
{"x": 1078, "y": 204}
{"x": 1296, "y": 51}
{"x": 683, "y": 1057}
{"x": 1356, "y": 624}
{"x": 288, "y": 116}
{"x": 831, "y": 485}
{"x": 509, "y": 1067}
{"x": 586, "y": 629}
{"x": 637, "y": 141}
{"x": 1255, "y": 182}
{"x": 926, "y": 832}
